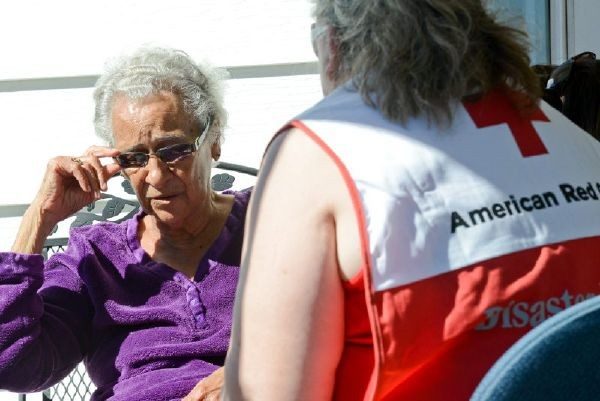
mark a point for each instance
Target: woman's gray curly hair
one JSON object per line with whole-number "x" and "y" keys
{"x": 150, "y": 70}
{"x": 417, "y": 57}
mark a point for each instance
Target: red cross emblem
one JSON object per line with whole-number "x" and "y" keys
{"x": 495, "y": 108}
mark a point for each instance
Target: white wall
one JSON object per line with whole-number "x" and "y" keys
{"x": 584, "y": 27}
{"x": 69, "y": 38}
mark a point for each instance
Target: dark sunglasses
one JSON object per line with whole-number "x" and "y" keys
{"x": 564, "y": 70}
{"x": 169, "y": 154}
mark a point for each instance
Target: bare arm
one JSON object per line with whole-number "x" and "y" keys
{"x": 288, "y": 321}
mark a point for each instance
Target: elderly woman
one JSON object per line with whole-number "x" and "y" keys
{"x": 147, "y": 303}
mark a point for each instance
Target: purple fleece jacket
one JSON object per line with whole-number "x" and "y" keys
{"x": 144, "y": 330}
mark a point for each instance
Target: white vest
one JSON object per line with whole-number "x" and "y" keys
{"x": 437, "y": 200}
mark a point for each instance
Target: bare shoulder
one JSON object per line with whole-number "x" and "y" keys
{"x": 311, "y": 182}
{"x": 294, "y": 145}
{"x": 306, "y": 167}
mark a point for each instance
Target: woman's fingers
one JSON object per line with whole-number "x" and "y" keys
{"x": 80, "y": 175}
{"x": 94, "y": 163}
{"x": 98, "y": 175}
{"x": 86, "y": 175}
{"x": 92, "y": 177}
{"x": 101, "y": 151}
{"x": 111, "y": 169}
{"x": 86, "y": 172}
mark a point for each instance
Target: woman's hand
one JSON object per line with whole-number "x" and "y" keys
{"x": 70, "y": 183}
{"x": 208, "y": 389}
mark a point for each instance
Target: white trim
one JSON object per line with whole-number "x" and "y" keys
{"x": 13, "y": 210}
{"x": 273, "y": 70}
{"x": 558, "y": 30}
{"x": 570, "y": 21}
{"x": 88, "y": 81}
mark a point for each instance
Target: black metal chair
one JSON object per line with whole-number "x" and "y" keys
{"x": 77, "y": 386}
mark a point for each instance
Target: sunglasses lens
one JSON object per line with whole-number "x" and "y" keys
{"x": 168, "y": 154}
{"x": 175, "y": 152}
{"x": 132, "y": 159}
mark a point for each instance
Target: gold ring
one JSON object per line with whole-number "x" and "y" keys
{"x": 77, "y": 160}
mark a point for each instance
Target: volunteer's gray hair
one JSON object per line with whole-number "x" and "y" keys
{"x": 414, "y": 58}
{"x": 150, "y": 70}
